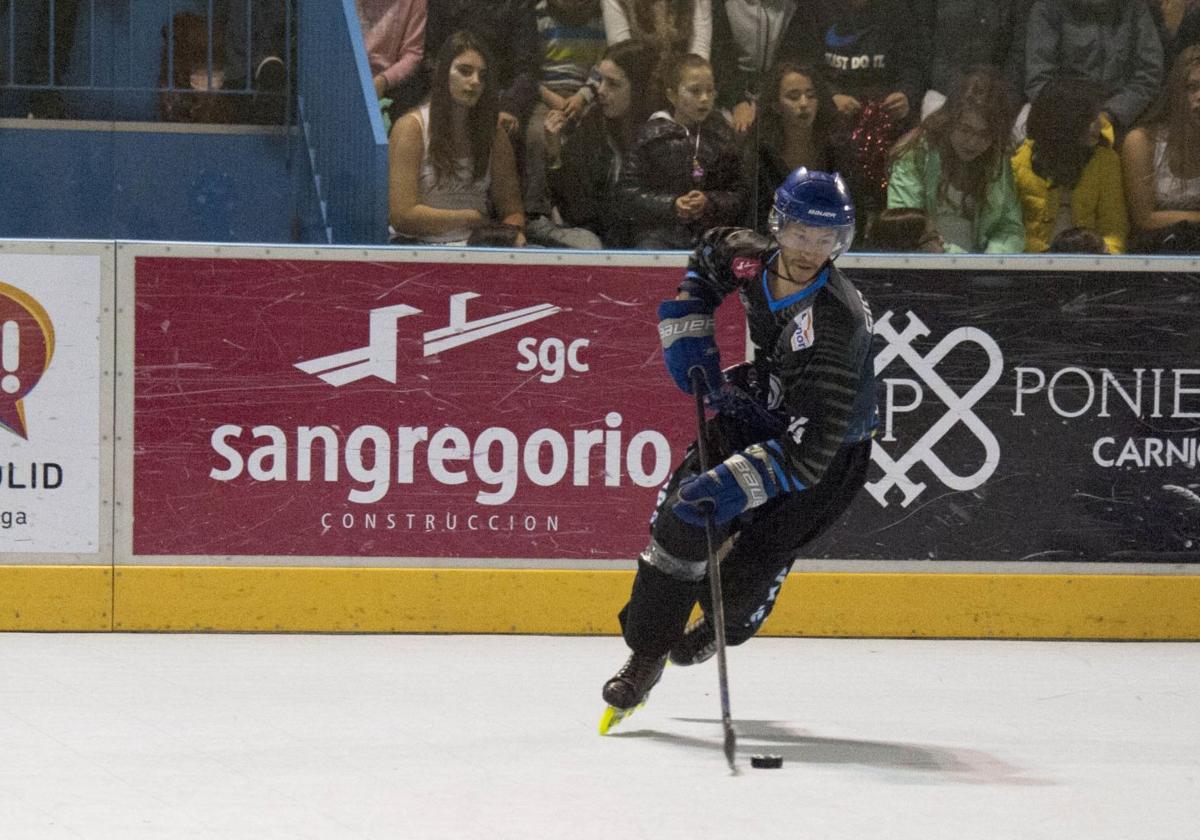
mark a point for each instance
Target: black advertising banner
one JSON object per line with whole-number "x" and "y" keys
{"x": 1029, "y": 416}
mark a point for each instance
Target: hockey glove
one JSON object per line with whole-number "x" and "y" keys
{"x": 686, "y": 330}
{"x": 741, "y": 482}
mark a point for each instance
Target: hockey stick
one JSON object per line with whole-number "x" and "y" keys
{"x": 714, "y": 578}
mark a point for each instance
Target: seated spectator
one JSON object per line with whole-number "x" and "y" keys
{"x": 256, "y": 41}
{"x": 572, "y": 39}
{"x": 394, "y": 36}
{"x": 1112, "y": 42}
{"x": 448, "y": 159}
{"x": 1078, "y": 240}
{"x": 876, "y": 57}
{"x": 684, "y": 175}
{"x": 906, "y": 229}
{"x": 1066, "y": 172}
{"x": 748, "y": 37}
{"x": 956, "y": 168}
{"x": 585, "y": 165}
{"x": 1178, "y": 24}
{"x": 967, "y": 34}
{"x": 509, "y": 30}
{"x": 796, "y": 129}
{"x": 1161, "y": 160}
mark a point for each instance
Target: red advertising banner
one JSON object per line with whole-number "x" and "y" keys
{"x": 408, "y": 409}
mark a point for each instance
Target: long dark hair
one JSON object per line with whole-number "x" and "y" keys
{"x": 770, "y": 124}
{"x": 1058, "y": 120}
{"x": 984, "y": 92}
{"x": 637, "y": 59}
{"x": 481, "y": 121}
{"x": 1173, "y": 113}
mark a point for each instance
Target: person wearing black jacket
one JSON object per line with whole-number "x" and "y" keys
{"x": 585, "y": 166}
{"x": 684, "y": 174}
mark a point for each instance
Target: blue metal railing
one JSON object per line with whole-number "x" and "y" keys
{"x": 340, "y": 121}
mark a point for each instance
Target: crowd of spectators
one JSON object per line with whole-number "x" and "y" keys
{"x": 969, "y": 126}
{"x": 992, "y": 126}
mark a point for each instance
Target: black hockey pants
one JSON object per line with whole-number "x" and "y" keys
{"x": 759, "y": 549}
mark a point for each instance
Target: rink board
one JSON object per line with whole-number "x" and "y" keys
{"x": 534, "y": 414}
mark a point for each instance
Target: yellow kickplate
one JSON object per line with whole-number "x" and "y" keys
{"x": 76, "y": 598}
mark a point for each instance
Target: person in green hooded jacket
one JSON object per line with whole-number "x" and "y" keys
{"x": 955, "y": 166}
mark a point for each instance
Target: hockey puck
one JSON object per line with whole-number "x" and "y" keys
{"x": 766, "y": 762}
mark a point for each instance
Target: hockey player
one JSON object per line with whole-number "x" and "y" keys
{"x": 793, "y": 428}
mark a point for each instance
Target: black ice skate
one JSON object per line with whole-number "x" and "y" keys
{"x": 698, "y": 644}
{"x": 628, "y": 689}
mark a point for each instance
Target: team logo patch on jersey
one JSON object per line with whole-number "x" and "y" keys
{"x": 805, "y": 334}
{"x": 745, "y": 268}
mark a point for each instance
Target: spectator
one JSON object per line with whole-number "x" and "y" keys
{"x": 796, "y": 129}
{"x": 1066, "y": 172}
{"x": 967, "y": 34}
{"x": 876, "y": 58}
{"x": 509, "y": 30}
{"x": 572, "y": 38}
{"x": 585, "y": 165}
{"x": 1161, "y": 160}
{"x": 684, "y": 174}
{"x": 748, "y": 37}
{"x": 394, "y": 36}
{"x": 256, "y": 40}
{"x": 1078, "y": 240}
{"x": 1178, "y": 24}
{"x": 1113, "y": 42}
{"x": 448, "y": 158}
{"x": 907, "y": 229}
{"x": 955, "y": 166}
{"x": 678, "y": 27}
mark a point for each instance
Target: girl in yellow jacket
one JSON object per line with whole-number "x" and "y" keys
{"x": 1066, "y": 172}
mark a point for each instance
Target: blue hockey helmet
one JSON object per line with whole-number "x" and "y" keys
{"x": 812, "y": 199}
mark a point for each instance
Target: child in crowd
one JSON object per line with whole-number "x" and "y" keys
{"x": 905, "y": 229}
{"x": 572, "y": 38}
{"x": 955, "y": 166}
{"x": 684, "y": 175}
{"x": 795, "y": 130}
{"x": 1162, "y": 164}
{"x": 448, "y": 159}
{"x": 585, "y": 164}
{"x": 1066, "y": 173}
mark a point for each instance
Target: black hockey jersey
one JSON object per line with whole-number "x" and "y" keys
{"x": 814, "y": 364}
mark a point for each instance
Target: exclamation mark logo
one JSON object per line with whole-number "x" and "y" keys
{"x": 10, "y": 356}
{"x": 26, "y": 347}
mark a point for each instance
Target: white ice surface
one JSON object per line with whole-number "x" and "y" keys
{"x": 488, "y": 738}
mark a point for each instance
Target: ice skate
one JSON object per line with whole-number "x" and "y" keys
{"x": 628, "y": 689}
{"x": 697, "y": 645}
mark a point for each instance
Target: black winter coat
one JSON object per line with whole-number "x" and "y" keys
{"x": 584, "y": 187}
{"x": 659, "y": 170}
